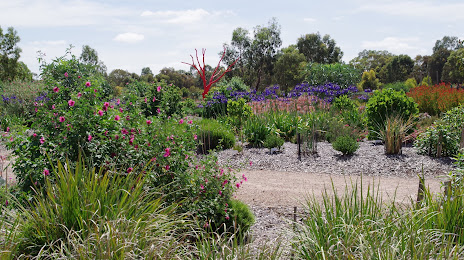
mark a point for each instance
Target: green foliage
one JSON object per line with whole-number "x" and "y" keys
{"x": 395, "y": 132}
{"x": 397, "y": 69}
{"x": 188, "y": 107}
{"x": 453, "y": 70}
{"x": 410, "y": 83}
{"x": 238, "y": 112}
{"x": 256, "y": 130}
{"x": 343, "y": 75}
{"x": 345, "y": 144}
{"x": 398, "y": 86}
{"x": 20, "y": 98}
{"x": 214, "y": 104}
{"x": 84, "y": 203}
{"x": 257, "y": 54}
{"x": 448, "y": 130}
{"x": 343, "y": 103}
{"x": 160, "y": 98}
{"x": 319, "y": 49}
{"x": 358, "y": 224}
{"x": 242, "y": 217}
{"x": 426, "y": 81}
{"x": 287, "y": 68}
{"x": 214, "y": 135}
{"x": 371, "y": 60}
{"x": 10, "y": 68}
{"x": 386, "y": 103}
{"x": 273, "y": 141}
{"x": 369, "y": 81}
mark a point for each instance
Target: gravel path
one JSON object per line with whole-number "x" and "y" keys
{"x": 279, "y": 182}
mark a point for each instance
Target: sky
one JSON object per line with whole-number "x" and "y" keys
{"x": 131, "y": 35}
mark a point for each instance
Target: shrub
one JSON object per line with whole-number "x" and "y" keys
{"x": 341, "y": 74}
{"x": 437, "y": 99}
{"x": 345, "y": 144}
{"x": 448, "y": 129}
{"x": 386, "y": 103}
{"x": 256, "y": 130}
{"x": 273, "y": 141}
{"x": 160, "y": 98}
{"x": 369, "y": 81}
{"x": 410, "y": 83}
{"x": 394, "y": 133}
{"x": 284, "y": 123}
{"x": 397, "y": 86}
{"x": 343, "y": 103}
{"x": 242, "y": 218}
{"x": 238, "y": 112}
{"x": 20, "y": 98}
{"x": 214, "y": 135}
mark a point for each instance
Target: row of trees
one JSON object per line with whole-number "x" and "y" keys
{"x": 262, "y": 61}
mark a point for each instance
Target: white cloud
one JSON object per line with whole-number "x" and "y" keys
{"x": 435, "y": 10}
{"x": 309, "y": 20}
{"x": 393, "y": 44}
{"x": 58, "y": 13}
{"x": 178, "y": 17}
{"x": 129, "y": 37}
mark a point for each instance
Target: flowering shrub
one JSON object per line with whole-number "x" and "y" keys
{"x": 116, "y": 135}
{"x": 437, "y": 99}
{"x": 159, "y": 98}
{"x": 345, "y": 144}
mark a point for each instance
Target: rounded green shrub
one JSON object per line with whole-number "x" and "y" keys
{"x": 343, "y": 103}
{"x": 448, "y": 130}
{"x": 273, "y": 141}
{"x": 256, "y": 130}
{"x": 214, "y": 135}
{"x": 241, "y": 217}
{"x": 385, "y": 103}
{"x": 345, "y": 144}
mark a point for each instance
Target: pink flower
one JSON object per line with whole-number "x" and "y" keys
{"x": 56, "y": 89}
{"x": 46, "y": 172}
{"x": 167, "y": 167}
{"x": 190, "y": 122}
{"x": 53, "y": 107}
{"x": 195, "y": 137}
{"x": 238, "y": 185}
{"x": 202, "y": 187}
{"x": 127, "y": 118}
{"x": 148, "y": 122}
{"x": 89, "y": 138}
{"x": 87, "y": 84}
{"x": 158, "y": 110}
{"x": 154, "y": 99}
{"x": 251, "y": 163}
{"x": 71, "y": 103}
{"x": 181, "y": 121}
{"x": 7, "y": 129}
{"x": 117, "y": 117}
{"x": 167, "y": 152}
{"x": 79, "y": 94}
{"x": 244, "y": 177}
{"x": 106, "y": 104}
{"x": 227, "y": 217}
{"x": 130, "y": 169}
{"x": 95, "y": 90}
{"x": 121, "y": 110}
{"x": 116, "y": 137}
{"x": 158, "y": 88}
{"x": 42, "y": 140}
{"x": 66, "y": 74}
{"x": 62, "y": 119}
{"x": 220, "y": 193}
{"x": 34, "y": 135}
{"x": 78, "y": 77}
{"x": 145, "y": 100}
{"x": 124, "y": 131}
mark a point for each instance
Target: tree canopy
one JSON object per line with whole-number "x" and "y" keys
{"x": 10, "y": 67}
{"x": 319, "y": 49}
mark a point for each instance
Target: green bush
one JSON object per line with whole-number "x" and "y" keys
{"x": 214, "y": 135}
{"x": 284, "y": 123}
{"x": 273, "y": 141}
{"x": 448, "y": 129}
{"x": 343, "y": 103}
{"x": 345, "y": 144}
{"x": 386, "y": 103}
{"x": 398, "y": 86}
{"x": 369, "y": 81}
{"x": 256, "y": 129}
{"x": 241, "y": 217}
{"x": 238, "y": 112}
{"x": 341, "y": 74}
{"x": 160, "y": 98}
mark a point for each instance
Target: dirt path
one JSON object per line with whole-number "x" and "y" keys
{"x": 285, "y": 189}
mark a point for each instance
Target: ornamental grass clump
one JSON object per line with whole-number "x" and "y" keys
{"x": 394, "y": 134}
{"x": 346, "y": 145}
{"x": 273, "y": 141}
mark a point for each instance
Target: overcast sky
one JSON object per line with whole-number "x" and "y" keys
{"x": 131, "y": 35}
